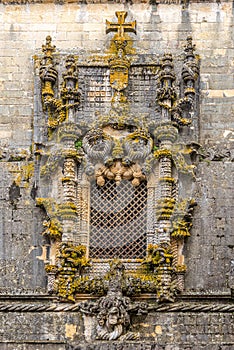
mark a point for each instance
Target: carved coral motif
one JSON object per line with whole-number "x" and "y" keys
{"x": 119, "y": 156}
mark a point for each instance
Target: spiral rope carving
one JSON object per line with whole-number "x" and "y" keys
{"x": 178, "y": 307}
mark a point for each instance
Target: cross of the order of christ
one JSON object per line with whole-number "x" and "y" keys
{"x": 121, "y": 27}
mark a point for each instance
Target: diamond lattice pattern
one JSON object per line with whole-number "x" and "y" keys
{"x": 118, "y": 220}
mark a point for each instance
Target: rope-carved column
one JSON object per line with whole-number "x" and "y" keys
{"x": 164, "y": 208}
{"x": 48, "y": 76}
{"x": 172, "y": 217}
{"x": 65, "y": 250}
{"x": 180, "y": 114}
{"x": 71, "y": 252}
{"x": 166, "y": 135}
{"x": 68, "y": 134}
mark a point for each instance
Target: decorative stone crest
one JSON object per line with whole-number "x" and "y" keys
{"x": 120, "y": 64}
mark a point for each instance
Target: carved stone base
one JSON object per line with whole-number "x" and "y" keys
{"x": 117, "y": 346}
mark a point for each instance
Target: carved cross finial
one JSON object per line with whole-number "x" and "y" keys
{"x": 121, "y": 27}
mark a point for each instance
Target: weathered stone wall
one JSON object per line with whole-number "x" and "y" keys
{"x": 174, "y": 330}
{"x": 80, "y": 28}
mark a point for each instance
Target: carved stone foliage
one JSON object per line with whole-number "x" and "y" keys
{"x": 121, "y": 145}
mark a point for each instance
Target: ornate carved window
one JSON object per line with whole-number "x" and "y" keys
{"x": 114, "y": 170}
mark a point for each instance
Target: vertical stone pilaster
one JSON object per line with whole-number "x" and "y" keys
{"x": 150, "y": 215}
{"x": 85, "y": 210}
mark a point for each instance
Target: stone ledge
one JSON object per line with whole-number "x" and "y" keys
{"x": 194, "y": 307}
{"x": 86, "y": 2}
{"x": 218, "y": 93}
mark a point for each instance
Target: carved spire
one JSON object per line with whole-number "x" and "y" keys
{"x": 48, "y": 49}
{"x": 190, "y": 69}
{"x": 70, "y": 94}
{"x": 48, "y": 73}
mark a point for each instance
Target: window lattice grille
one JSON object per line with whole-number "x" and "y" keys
{"x": 118, "y": 220}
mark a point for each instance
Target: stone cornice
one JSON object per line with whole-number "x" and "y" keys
{"x": 131, "y": 2}
{"x": 194, "y": 303}
{"x": 65, "y": 307}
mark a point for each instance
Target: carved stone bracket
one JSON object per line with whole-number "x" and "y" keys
{"x": 112, "y": 313}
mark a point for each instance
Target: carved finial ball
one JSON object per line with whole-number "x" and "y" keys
{"x": 48, "y": 39}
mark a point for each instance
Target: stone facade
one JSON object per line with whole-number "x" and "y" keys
{"x": 201, "y": 317}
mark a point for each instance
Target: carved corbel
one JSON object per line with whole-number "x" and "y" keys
{"x": 112, "y": 313}
{"x": 138, "y": 145}
{"x": 97, "y": 145}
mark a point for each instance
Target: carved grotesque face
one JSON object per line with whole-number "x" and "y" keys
{"x": 119, "y": 78}
{"x": 113, "y": 317}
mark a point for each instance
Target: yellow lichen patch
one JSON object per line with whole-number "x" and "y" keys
{"x": 22, "y": 173}
{"x": 48, "y": 203}
{"x": 158, "y": 329}
{"x": 180, "y": 232}
{"x": 181, "y": 268}
{"x": 67, "y": 210}
{"x": 162, "y": 153}
{"x": 18, "y": 179}
{"x": 157, "y": 257}
{"x": 51, "y": 268}
{"x": 28, "y": 171}
{"x": 53, "y": 229}
{"x": 70, "y": 330}
{"x": 167, "y": 179}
